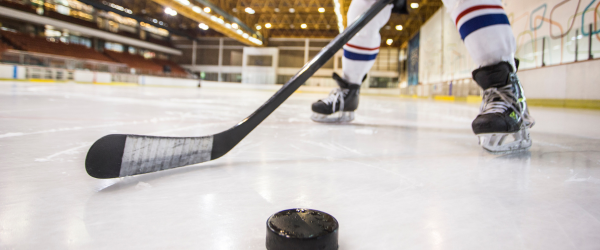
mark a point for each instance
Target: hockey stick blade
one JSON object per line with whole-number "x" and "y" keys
{"x": 121, "y": 155}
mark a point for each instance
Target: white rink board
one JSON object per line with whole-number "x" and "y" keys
{"x": 9, "y": 71}
{"x": 575, "y": 81}
{"x": 167, "y": 81}
{"x": 91, "y": 76}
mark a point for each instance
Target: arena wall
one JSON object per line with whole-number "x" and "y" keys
{"x": 19, "y": 72}
{"x": 553, "y": 45}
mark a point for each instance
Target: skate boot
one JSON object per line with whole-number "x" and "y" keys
{"x": 504, "y": 121}
{"x": 339, "y": 106}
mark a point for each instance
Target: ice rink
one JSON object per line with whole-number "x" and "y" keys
{"x": 407, "y": 174}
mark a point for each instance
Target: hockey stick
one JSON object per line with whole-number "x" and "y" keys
{"x": 121, "y": 155}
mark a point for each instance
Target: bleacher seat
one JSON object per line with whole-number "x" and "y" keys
{"x": 4, "y": 46}
{"x": 42, "y": 45}
{"x": 134, "y": 61}
{"x": 70, "y": 19}
{"x": 175, "y": 68}
{"x": 33, "y": 43}
{"x": 18, "y": 6}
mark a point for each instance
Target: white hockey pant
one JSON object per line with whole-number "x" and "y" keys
{"x": 482, "y": 24}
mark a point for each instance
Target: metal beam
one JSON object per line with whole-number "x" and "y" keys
{"x": 212, "y": 21}
{"x": 43, "y": 20}
{"x": 227, "y": 16}
{"x": 100, "y": 6}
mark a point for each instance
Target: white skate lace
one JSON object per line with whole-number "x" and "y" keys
{"x": 505, "y": 94}
{"x": 507, "y": 100}
{"x": 335, "y": 96}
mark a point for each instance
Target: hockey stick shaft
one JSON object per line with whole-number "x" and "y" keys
{"x": 124, "y": 155}
{"x": 247, "y": 125}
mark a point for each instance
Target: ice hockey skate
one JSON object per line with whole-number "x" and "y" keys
{"x": 504, "y": 121}
{"x": 340, "y": 105}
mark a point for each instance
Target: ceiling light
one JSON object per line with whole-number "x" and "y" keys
{"x": 276, "y": 9}
{"x": 218, "y": 20}
{"x": 303, "y": 26}
{"x": 228, "y": 25}
{"x": 267, "y": 25}
{"x": 292, "y": 10}
{"x": 321, "y": 10}
{"x": 235, "y": 25}
{"x": 184, "y": 2}
{"x": 207, "y": 9}
{"x": 170, "y": 11}
{"x": 234, "y": 9}
{"x": 399, "y": 27}
{"x": 254, "y": 40}
{"x": 389, "y": 41}
{"x": 240, "y": 32}
{"x": 249, "y": 10}
{"x": 203, "y": 26}
{"x": 196, "y": 9}
{"x": 245, "y": 35}
{"x": 258, "y": 27}
{"x": 414, "y": 5}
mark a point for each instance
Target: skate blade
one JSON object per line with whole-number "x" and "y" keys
{"x": 503, "y": 142}
{"x": 337, "y": 117}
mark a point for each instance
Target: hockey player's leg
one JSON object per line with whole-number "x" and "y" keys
{"x": 339, "y": 106}
{"x": 504, "y": 121}
{"x": 359, "y": 56}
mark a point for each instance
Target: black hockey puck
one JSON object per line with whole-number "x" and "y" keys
{"x": 302, "y": 229}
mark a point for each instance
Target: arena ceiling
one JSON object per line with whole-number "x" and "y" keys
{"x": 286, "y": 18}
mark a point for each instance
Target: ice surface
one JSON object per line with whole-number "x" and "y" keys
{"x": 407, "y": 174}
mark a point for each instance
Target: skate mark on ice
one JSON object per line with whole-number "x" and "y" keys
{"x": 349, "y": 149}
{"x": 552, "y": 144}
{"x": 410, "y": 125}
{"x": 563, "y": 230}
{"x": 68, "y": 151}
{"x": 153, "y": 120}
{"x": 589, "y": 179}
{"x": 412, "y": 183}
{"x": 307, "y": 153}
{"x": 365, "y": 131}
{"x": 320, "y": 144}
{"x": 11, "y": 134}
{"x": 20, "y": 111}
{"x": 143, "y": 185}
